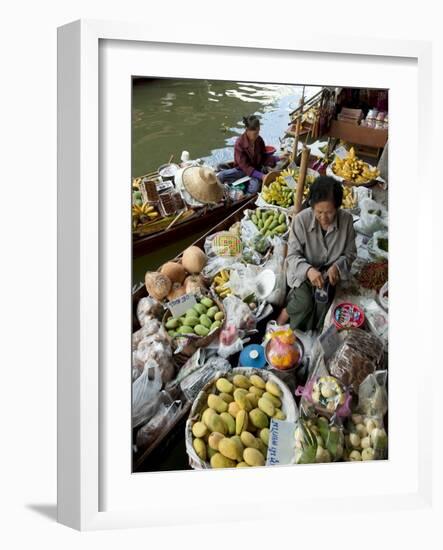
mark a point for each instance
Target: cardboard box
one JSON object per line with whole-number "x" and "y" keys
{"x": 359, "y": 135}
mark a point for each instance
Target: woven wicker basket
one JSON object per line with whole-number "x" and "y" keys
{"x": 289, "y": 407}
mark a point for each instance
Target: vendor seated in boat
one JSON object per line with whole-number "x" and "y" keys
{"x": 321, "y": 249}
{"x": 250, "y": 157}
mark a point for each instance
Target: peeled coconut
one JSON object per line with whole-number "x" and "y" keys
{"x": 194, "y": 283}
{"x": 157, "y": 284}
{"x": 174, "y": 271}
{"x": 194, "y": 259}
{"x": 177, "y": 290}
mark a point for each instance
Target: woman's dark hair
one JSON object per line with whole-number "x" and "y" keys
{"x": 323, "y": 189}
{"x": 251, "y": 122}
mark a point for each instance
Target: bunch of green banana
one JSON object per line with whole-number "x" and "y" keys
{"x": 270, "y": 222}
{"x": 278, "y": 193}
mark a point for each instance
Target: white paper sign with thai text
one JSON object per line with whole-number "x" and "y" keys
{"x": 180, "y": 306}
{"x": 281, "y": 449}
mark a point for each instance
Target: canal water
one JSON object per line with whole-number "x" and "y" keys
{"x": 203, "y": 117}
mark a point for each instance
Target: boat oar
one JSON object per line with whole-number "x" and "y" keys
{"x": 175, "y": 219}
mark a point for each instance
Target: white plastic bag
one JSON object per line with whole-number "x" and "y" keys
{"x": 373, "y": 217}
{"x": 145, "y": 393}
{"x": 277, "y": 264}
{"x": 374, "y": 245}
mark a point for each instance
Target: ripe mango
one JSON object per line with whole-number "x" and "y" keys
{"x": 272, "y": 388}
{"x": 233, "y": 409}
{"x": 220, "y": 461}
{"x": 279, "y": 415}
{"x": 199, "y": 429}
{"x": 214, "y": 440}
{"x": 229, "y": 421}
{"x": 216, "y": 424}
{"x": 217, "y": 403}
{"x": 266, "y": 406}
{"x": 241, "y": 381}
{"x": 229, "y": 448}
{"x": 264, "y": 436}
{"x": 258, "y": 418}
{"x": 249, "y": 440}
{"x": 253, "y": 457}
{"x": 242, "y": 465}
{"x": 241, "y": 422}
{"x": 212, "y": 311}
{"x": 227, "y": 397}
{"x": 256, "y": 391}
{"x": 223, "y": 385}
{"x": 219, "y": 316}
{"x": 253, "y": 399}
{"x": 200, "y": 448}
{"x": 257, "y": 381}
{"x": 273, "y": 399}
{"x": 241, "y": 399}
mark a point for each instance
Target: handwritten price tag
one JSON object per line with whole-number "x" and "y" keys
{"x": 181, "y": 305}
{"x": 281, "y": 443}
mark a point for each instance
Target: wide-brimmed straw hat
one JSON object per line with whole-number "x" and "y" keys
{"x": 202, "y": 184}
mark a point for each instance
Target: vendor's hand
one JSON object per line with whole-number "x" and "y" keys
{"x": 315, "y": 277}
{"x": 333, "y": 275}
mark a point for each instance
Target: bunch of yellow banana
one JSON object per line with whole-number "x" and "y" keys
{"x": 349, "y": 201}
{"x": 143, "y": 214}
{"x": 219, "y": 284}
{"x": 136, "y": 182}
{"x": 353, "y": 169}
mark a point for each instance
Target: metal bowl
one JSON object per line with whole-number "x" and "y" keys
{"x": 168, "y": 171}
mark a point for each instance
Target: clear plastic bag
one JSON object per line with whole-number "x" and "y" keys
{"x": 151, "y": 326}
{"x": 373, "y": 217}
{"x": 145, "y": 393}
{"x": 360, "y": 354}
{"x": 365, "y": 438}
{"x": 147, "y": 309}
{"x": 158, "y": 425}
{"x": 377, "y": 243}
{"x": 277, "y": 264}
{"x": 372, "y": 394}
{"x": 323, "y": 393}
{"x": 238, "y": 314}
{"x": 317, "y": 440}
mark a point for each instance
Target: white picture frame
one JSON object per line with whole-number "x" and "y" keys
{"x": 95, "y": 487}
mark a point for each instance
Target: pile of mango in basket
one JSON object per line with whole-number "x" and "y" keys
{"x": 269, "y": 222}
{"x": 200, "y": 320}
{"x": 233, "y": 428}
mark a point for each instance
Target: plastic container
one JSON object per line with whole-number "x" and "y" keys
{"x": 348, "y": 315}
{"x": 253, "y": 356}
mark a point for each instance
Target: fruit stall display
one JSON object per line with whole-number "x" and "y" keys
{"x": 203, "y": 301}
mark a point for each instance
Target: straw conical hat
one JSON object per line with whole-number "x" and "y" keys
{"x": 202, "y": 184}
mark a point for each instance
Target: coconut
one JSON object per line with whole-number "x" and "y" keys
{"x": 174, "y": 271}
{"x": 194, "y": 259}
{"x": 177, "y": 290}
{"x": 193, "y": 283}
{"x": 157, "y": 284}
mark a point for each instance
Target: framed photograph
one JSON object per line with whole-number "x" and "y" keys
{"x": 226, "y": 238}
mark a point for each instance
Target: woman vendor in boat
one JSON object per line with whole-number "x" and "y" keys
{"x": 250, "y": 157}
{"x": 321, "y": 250}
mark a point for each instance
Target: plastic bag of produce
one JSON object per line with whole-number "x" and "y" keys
{"x": 318, "y": 439}
{"x": 281, "y": 351}
{"x": 373, "y": 217}
{"x": 277, "y": 264}
{"x": 158, "y": 425}
{"x": 145, "y": 393}
{"x": 372, "y": 394}
{"x": 324, "y": 394}
{"x": 360, "y": 354}
{"x": 378, "y": 245}
{"x": 148, "y": 309}
{"x": 365, "y": 438}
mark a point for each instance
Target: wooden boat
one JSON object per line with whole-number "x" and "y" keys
{"x": 154, "y": 457}
{"x": 192, "y": 221}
